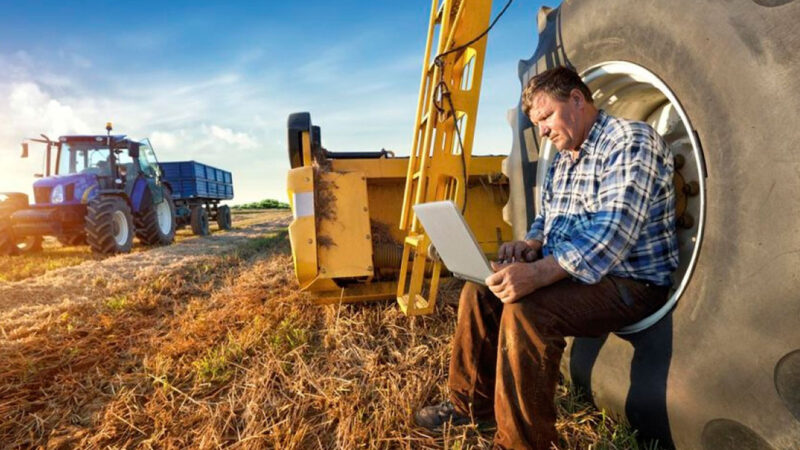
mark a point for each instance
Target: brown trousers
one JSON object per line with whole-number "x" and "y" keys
{"x": 505, "y": 360}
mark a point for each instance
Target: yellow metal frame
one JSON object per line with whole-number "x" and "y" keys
{"x": 437, "y": 164}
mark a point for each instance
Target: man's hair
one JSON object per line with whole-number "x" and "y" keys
{"x": 557, "y": 82}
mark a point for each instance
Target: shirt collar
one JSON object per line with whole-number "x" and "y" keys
{"x": 599, "y": 124}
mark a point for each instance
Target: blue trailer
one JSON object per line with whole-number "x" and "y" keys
{"x": 197, "y": 189}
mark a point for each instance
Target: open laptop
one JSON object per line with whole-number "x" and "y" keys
{"x": 453, "y": 240}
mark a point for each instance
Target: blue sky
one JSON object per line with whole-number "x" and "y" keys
{"x": 215, "y": 82}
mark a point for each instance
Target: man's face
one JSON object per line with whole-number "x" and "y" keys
{"x": 560, "y": 121}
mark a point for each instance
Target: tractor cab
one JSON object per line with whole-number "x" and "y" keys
{"x": 84, "y": 166}
{"x": 94, "y": 189}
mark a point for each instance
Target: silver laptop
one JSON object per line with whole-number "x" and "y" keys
{"x": 453, "y": 240}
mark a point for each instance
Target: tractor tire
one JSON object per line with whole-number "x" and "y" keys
{"x": 199, "y": 221}
{"x": 71, "y": 240}
{"x": 156, "y": 225}
{"x": 14, "y": 200}
{"x": 7, "y": 242}
{"x": 224, "y": 217}
{"x": 721, "y": 369}
{"x": 109, "y": 226}
{"x": 29, "y": 244}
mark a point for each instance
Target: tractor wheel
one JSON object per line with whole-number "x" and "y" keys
{"x": 199, "y": 221}
{"x": 7, "y": 244}
{"x": 70, "y": 240}
{"x": 109, "y": 226}
{"x": 719, "y": 370}
{"x": 13, "y": 200}
{"x": 224, "y": 217}
{"x": 156, "y": 225}
{"x": 29, "y": 244}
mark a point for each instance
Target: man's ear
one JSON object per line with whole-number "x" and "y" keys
{"x": 576, "y": 97}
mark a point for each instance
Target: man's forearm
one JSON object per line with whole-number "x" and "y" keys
{"x": 548, "y": 272}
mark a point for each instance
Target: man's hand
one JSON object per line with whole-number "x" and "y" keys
{"x": 510, "y": 282}
{"x": 519, "y": 251}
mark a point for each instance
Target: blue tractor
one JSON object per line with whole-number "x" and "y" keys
{"x": 102, "y": 191}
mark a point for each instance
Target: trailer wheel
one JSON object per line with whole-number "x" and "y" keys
{"x": 224, "y": 217}
{"x": 29, "y": 244}
{"x": 109, "y": 226}
{"x": 156, "y": 225}
{"x": 70, "y": 240}
{"x": 692, "y": 378}
{"x": 199, "y": 221}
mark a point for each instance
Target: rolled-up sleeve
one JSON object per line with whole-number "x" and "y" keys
{"x": 537, "y": 229}
{"x": 627, "y": 183}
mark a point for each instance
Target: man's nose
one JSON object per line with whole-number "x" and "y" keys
{"x": 544, "y": 130}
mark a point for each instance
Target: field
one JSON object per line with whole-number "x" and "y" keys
{"x": 208, "y": 343}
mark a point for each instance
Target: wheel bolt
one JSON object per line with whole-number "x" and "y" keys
{"x": 685, "y": 221}
{"x": 691, "y": 188}
{"x": 679, "y": 161}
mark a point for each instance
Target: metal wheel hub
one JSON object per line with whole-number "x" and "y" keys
{"x": 120, "y": 227}
{"x": 164, "y": 217}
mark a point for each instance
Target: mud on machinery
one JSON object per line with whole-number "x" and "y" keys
{"x": 102, "y": 191}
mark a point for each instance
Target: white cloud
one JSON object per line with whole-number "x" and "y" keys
{"x": 31, "y": 108}
{"x": 241, "y": 140}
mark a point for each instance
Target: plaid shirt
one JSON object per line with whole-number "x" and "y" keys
{"x": 612, "y": 210}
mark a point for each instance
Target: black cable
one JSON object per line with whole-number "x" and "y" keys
{"x": 441, "y": 91}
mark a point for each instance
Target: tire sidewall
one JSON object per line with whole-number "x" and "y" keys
{"x": 199, "y": 221}
{"x": 116, "y": 204}
{"x": 224, "y": 217}
{"x": 725, "y": 64}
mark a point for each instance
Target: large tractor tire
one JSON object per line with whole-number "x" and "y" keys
{"x": 29, "y": 244}
{"x": 70, "y": 240}
{"x": 109, "y": 226}
{"x": 156, "y": 225}
{"x": 13, "y": 200}
{"x": 224, "y": 217}
{"x": 7, "y": 241}
{"x": 199, "y": 221}
{"x": 720, "y": 369}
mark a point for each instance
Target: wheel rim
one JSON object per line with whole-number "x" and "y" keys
{"x": 120, "y": 228}
{"x": 164, "y": 215}
{"x": 26, "y": 243}
{"x": 628, "y": 90}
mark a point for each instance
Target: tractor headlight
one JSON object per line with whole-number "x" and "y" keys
{"x": 57, "y": 196}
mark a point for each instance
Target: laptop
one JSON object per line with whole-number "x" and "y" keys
{"x": 453, "y": 240}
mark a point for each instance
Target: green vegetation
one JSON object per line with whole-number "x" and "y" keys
{"x": 263, "y": 204}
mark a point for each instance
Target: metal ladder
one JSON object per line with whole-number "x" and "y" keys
{"x": 438, "y": 165}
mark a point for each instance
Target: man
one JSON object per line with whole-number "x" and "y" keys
{"x": 598, "y": 257}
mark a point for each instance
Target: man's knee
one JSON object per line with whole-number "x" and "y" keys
{"x": 472, "y": 294}
{"x": 528, "y": 317}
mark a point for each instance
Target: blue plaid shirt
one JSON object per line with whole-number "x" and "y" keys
{"x": 612, "y": 210}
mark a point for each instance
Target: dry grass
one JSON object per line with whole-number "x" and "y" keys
{"x": 55, "y": 256}
{"x": 226, "y": 352}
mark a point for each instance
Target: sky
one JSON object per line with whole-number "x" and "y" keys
{"x": 215, "y": 82}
